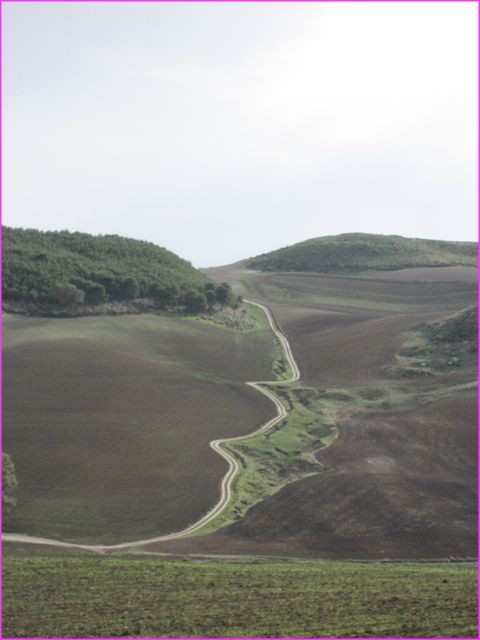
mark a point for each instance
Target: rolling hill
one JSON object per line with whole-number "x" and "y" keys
{"x": 354, "y": 252}
{"x": 60, "y": 269}
{"x": 108, "y": 419}
{"x": 399, "y": 480}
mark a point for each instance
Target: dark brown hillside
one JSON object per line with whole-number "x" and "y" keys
{"x": 344, "y": 329}
{"x": 398, "y": 483}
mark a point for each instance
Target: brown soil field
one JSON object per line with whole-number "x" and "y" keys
{"x": 337, "y": 348}
{"x": 433, "y": 274}
{"x": 440, "y": 288}
{"x": 344, "y": 329}
{"x": 397, "y": 485}
{"x": 108, "y": 421}
{"x": 363, "y": 293}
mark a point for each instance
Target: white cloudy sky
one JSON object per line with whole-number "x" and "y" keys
{"x": 222, "y": 130}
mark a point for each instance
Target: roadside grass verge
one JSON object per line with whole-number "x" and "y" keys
{"x": 284, "y": 454}
{"x": 245, "y": 319}
{"x": 258, "y": 315}
{"x": 288, "y": 452}
{"x": 111, "y": 596}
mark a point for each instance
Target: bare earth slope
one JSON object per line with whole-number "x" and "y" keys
{"x": 400, "y": 480}
{"x": 108, "y": 420}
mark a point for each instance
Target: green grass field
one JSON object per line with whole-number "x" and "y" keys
{"x": 75, "y": 596}
{"x": 284, "y": 454}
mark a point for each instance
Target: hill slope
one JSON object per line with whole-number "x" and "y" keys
{"x": 455, "y": 328}
{"x": 108, "y": 420}
{"x": 361, "y": 251}
{"x": 63, "y": 267}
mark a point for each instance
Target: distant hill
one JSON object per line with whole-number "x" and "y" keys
{"x": 65, "y": 269}
{"x": 353, "y": 252}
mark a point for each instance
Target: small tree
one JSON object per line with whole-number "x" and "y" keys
{"x": 9, "y": 483}
{"x": 164, "y": 296}
{"x": 211, "y": 298}
{"x": 67, "y": 294}
{"x": 223, "y": 292}
{"x": 127, "y": 288}
{"x": 195, "y": 302}
{"x": 95, "y": 293}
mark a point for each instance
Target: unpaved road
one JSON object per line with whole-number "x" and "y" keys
{"x": 216, "y": 445}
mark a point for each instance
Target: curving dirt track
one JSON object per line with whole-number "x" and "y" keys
{"x": 217, "y": 446}
{"x": 397, "y": 483}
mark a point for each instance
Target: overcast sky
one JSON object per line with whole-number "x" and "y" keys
{"x": 223, "y": 130}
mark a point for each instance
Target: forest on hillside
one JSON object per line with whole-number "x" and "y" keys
{"x": 64, "y": 269}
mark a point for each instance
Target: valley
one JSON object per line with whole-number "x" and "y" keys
{"x": 343, "y": 407}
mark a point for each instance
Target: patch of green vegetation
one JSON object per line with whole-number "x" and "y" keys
{"x": 35, "y": 261}
{"x": 63, "y": 273}
{"x": 230, "y": 319}
{"x": 438, "y": 347}
{"x": 392, "y": 398}
{"x": 258, "y": 315}
{"x": 107, "y": 597}
{"x": 284, "y": 454}
{"x": 280, "y": 366}
{"x": 458, "y": 327}
{"x": 246, "y": 318}
{"x": 354, "y": 252}
{"x": 288, "y": 451}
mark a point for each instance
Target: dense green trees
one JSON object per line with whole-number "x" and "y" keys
{"x": 9, "y": 483}
{"x": 195, "y": 302}
{"x": 68, "y": 270}
{"x": 66, "y": 294}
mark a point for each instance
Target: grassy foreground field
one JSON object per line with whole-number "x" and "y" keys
{"x": 78, "y": 596}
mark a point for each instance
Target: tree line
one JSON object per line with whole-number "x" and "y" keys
{"x": 67, "y": 269}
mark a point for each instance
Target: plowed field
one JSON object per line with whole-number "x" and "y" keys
{"x": 108, "y": 420}
{"x": 398, "y": 482}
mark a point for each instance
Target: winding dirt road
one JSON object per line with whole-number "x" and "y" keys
{"x": 216, "y": 445}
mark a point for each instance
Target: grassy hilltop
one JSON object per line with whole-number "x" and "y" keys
{"x": 352, "y": 252}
